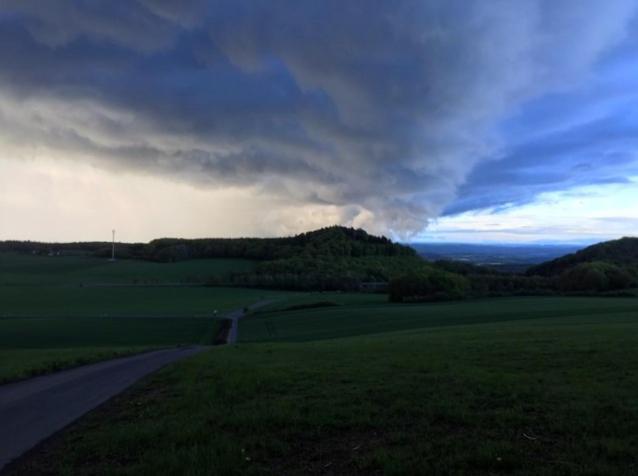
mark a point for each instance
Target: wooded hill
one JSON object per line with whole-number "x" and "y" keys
{"x": 622, "y": 252}
{"x": 339, "y": 258}
{"x": 607, "y": 266}
{"x": 332, "y": 258}
{"x": 333, "y": 241}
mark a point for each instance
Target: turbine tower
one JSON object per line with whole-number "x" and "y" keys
{"x": 113, "y": 248}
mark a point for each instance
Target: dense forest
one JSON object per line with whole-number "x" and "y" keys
{"x": 607, "y": 266}
{"x": 622, "y": 252}
{"x": 333, "y": 241}
{"x": 339, "y": 258}
{"x": 332, "y": 258}
{"x": 330, "y": 241}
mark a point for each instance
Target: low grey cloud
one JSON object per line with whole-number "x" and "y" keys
{"x": 392, "y": 110}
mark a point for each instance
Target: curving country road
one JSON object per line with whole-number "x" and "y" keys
{"x": 237, "y": 314}
{"x": 34, "y": 409}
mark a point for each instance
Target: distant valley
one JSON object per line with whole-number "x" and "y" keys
{"x": 507, "y": 258}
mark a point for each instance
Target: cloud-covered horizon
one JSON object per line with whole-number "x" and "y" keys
{"x": 389, "y": 114}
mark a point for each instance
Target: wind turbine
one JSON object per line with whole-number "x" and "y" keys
{"x": 113, "y": 248}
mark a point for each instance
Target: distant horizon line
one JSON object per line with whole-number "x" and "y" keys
{"x": 587, "y": 239}
{"x": 484, "y": 243}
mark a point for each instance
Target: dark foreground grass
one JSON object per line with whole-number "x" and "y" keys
{"x": 530, "y": 397}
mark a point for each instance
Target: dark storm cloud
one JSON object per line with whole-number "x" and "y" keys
{"x": 382, "y": 106}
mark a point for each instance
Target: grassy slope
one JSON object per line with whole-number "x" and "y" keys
{"x": 56, "y": 333}
{"x": 18, "y": 269}
{"x": 18, "y": 364}
{"x": 52, "y": 301}
{"x": 71, "y": 328}
{"x": 63, "y": 329}
{"x": 66, "y": 286}
{"x": 530, "y": 396}
{"x": 317, "y": 298}
{"x": 374, "y": 317}
{"x": 40, "y": 345}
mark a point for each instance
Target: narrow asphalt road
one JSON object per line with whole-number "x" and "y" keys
{"x": 34, "y": 409}
{"x": 234, "y": 317}
{"x": 237, "y": 314}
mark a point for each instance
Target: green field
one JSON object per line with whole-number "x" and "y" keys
{"x": 32, "y": 346}
{"x": 325, "y": 383}
{"x": 20, "y": 269}
{"x": 45, "y": 328}
{"x": 55, "y": 333}
{"x": 526, "y": 386}
{"x": 60, "y": 311}
{"x": 130, "y": 301}
{"x": 309, "y": 300}
{"x": 370, "y": 316}
{"x": 18, "y": 364}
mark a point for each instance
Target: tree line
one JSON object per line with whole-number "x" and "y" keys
{"x": 348, "y": 259}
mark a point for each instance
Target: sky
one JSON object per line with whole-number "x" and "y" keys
{"x": 423, "y": 120}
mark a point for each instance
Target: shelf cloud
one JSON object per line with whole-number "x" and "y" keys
{"x": 390, "y": 112}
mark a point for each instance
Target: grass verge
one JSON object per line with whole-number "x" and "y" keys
{"x": 20, "y": 364}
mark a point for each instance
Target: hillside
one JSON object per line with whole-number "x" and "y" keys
{"x": 338, "y": 258}
{"x": 604, "y": 267}
{"x": 622, "y": 252}
{"x": 332, "y": 258}
{"x": 334, "y": 241}
{"x": 509, "y": 258}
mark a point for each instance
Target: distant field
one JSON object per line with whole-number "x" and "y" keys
{"x": 310, "y": 299}
{"x": 54, "y": 327}
{"x": 65, "y": 333}
{"x": 30, "y": 346}
{"x": 20, "y": 269}
{"x": 64, "y": 286}
{"x": 63, "y": 310}
{"x": 370, "y": 317}
{"x": 466, "y": 389}
{"x": 53, "y": 301}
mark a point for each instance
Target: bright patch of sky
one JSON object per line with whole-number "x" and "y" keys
{"x": 582, "y": 215}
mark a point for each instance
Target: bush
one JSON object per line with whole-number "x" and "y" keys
{"x": 510, "y": 285}
{"x": 596, "y": 276}
{"x": 427, "y": 285}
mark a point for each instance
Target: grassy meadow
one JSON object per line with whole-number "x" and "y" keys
{"x": 18, "y": 364}
{"x": 526, "y": 386}
{"x": 124, "y": 301}
{"x": 61, "y": 311}
{"x": 28, "y": 270}
{"x": 33, "y": 346}
{"x": 369, "y": 314}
